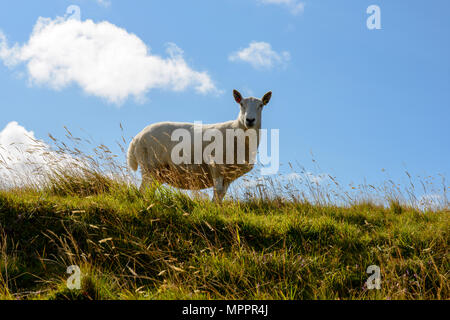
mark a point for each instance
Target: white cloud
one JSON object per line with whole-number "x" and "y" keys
{"x": 260, "y": 55}
{"x": 251, "y": 183}
{"x": 432, "y": 201}
{"x": 16, "y": 144}
{"x": 291, "y": 176}
{"x": 294, "y": 6}
{"x": 305, "y": 176}
{"x": 23, "y": 157}
{"x": 103, "y": 59}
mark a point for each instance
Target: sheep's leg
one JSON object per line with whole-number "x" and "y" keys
{"x": 219, "y": 183}
{"x": 146, "y": 169}
{"x": 220, "y": 189}
{"x": 147, "y": 180}
{"x": 144, "y": 183}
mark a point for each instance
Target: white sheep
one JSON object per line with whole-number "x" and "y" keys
{"x": 154, "y": 148}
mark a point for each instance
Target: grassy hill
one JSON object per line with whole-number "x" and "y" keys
{"x": 273, "y": 241}
{"x": 162, "y": 244}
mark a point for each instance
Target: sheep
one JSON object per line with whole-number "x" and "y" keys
{"x": 154, "y": 148}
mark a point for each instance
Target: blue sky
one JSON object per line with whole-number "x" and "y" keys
{"x": 360, "y": 100}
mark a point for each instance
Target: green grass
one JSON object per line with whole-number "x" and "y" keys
{"x": 290, "y": 240}
{"x": 162, "y": 244}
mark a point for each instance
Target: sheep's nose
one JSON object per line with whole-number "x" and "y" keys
{"x": 250, "y": 122}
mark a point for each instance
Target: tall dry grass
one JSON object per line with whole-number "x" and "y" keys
{"x": 79, "y": 166}
{"x": 297, "y": 235}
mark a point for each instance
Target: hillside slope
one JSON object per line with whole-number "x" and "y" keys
{"x": 164, "y": 245}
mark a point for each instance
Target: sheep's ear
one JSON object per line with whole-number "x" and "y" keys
{"x": 267, "y": 97}
{"x": 237, "y": 96}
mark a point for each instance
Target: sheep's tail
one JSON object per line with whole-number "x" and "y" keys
{"x": 131, "y": 157}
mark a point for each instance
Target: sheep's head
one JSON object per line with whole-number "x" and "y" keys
{"x": 251, "y": 109}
